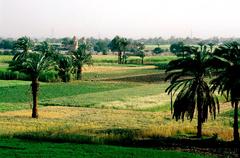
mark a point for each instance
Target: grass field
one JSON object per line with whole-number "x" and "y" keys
{"x": 21, "y": 148}
{"x": 113, "y": 105}
{"x": 131, "y": 105}
{"x": 151, "y": 47}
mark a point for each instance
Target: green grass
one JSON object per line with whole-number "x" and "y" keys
{"x": 5, "y": 58}
{"x": 104, "y": 99}
{"x": 20, "y": 92}
{"x": 229, "y": 113}
{"x": 162, "y": 108}
{"x": 119, "y": 73}
{"x": 21, "y": 148}
{"x": 112, "y": 59}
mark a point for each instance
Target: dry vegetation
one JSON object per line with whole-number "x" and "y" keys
{"x": 108, "y": 123}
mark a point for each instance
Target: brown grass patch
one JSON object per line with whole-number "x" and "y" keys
{"x": 112, "y": 68}
{"x": 89, "y": 121}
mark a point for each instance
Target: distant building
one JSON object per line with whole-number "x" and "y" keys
{"x": 75, "y": 43}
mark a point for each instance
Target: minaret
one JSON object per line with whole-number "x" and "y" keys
{"x": 75, "y": 43}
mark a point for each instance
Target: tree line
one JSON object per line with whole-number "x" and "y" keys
{"x": 102, "y": 45}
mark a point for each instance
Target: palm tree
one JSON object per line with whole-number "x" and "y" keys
{"x": 64, "y": 67}
{"x": 211, "y": 45}
{"x": 187, "y": 77}
{"x": 227, "y": 58}
{"x": 24, "y": 44}
{"x": 32, "y": 64}
{"x": 80, "y": 57}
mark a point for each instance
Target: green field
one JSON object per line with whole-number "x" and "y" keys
{"x": 20, "y": 148}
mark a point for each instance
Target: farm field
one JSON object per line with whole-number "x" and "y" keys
{"x": 114, "y": 105}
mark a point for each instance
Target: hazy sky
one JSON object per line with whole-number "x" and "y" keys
{"x": 130, "y": 18}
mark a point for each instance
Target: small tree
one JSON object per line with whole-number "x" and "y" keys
{"x": 67, "y": 43}
{"x": 64, "y": 67}
{"x": 140, "y": 50}
{"x": 80, "y": 57}
{"x": 177, "y": 48}
{"x": 158, "y": 50}
{"x": 101, "y": 46}
{"x": 120, "y": 45}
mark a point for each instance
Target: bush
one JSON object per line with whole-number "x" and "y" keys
{"x": 51, "y": 76}
{"x": 7, "y": 52}
{"x": 9, "y": 75}
{"x": 14, "y": 75}
{"x": 158, "y": 50}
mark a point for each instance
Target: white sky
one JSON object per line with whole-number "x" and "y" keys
{"x": 130, "y": 18}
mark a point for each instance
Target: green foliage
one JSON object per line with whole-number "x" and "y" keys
{"x": 119, "y": 44}
{"x": 7, "y": 44}
{"x": 101, "y": 46}
{"x": 64, "y": 67}
{"x": 67, "y": 43}
{"x": 21, "y": 93}
{"x": 177, "y": 48}
{"x": 9, "y": 75}
{"x": 23, "y": 45}
{"x": 158, "y": 50}
{"x": 32, "y": 64}
{"x": 51, "y": 76}
{"x": 45, "y": 48}
{"x": 81, "y": 57}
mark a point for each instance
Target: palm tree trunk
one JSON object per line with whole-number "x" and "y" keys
{"x": 171, "y": 103}
{"x": 79, "y": 73}
{"x": 199, "y": 107}
{"x": 125, "y": 58}
{"x": 119, "y": 57}
{"x": 235, "y": 125}
{"x": 199, "y": 127}
{"x": 35, "y": 86}
{"x": 142, "y": 60}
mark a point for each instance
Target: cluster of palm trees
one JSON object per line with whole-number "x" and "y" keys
{"x": 188, "y": 78}
{"x": 34, "y": 60}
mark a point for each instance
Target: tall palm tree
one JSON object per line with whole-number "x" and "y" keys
{"x": 80, "y": 57}
{"x": 187, "y": 78}
{"x": 227, "y": 58}
{"x": 33, "y": 64}
{"x": 24, "y": 45}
